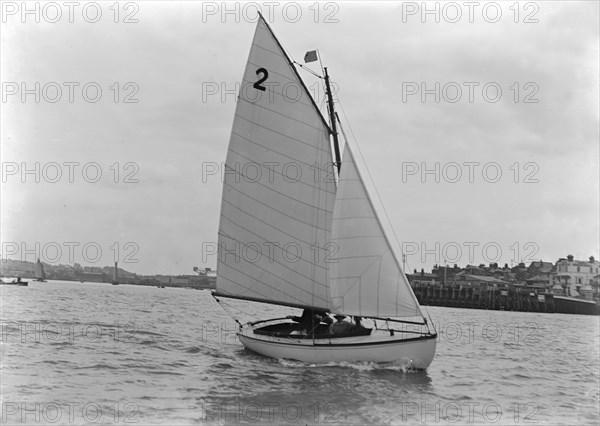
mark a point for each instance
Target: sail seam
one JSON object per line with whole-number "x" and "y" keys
{"x": 278, "y": 263}
{"x": 264, "y": 283}
{"x": 358, "y": 236}
{"x": 273, "y": 170}
{"x": 353, "y": 217}
{"x": 274, "y": 209}
{"x": 291, "y": 158}
{"x": 358, "y": 257}
{"x": 274, "y": 190}
{"x": 250, "y": 290}
{"x": 224, "y": 278}
{"x": 258, "y": 105}
{"x": 283, "y": 134}
{"x": 263, "y": 239}
{"x": 267, "y": 223}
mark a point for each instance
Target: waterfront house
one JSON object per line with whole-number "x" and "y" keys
{"x": 573, "y": 274}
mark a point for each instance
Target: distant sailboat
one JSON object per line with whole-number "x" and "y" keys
{"x": 304, "y": 238}
{"x": 115, "y": 280}
{"x": 40, "y": 275}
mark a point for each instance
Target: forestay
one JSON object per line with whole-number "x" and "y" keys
{"x": 278, "y": 196}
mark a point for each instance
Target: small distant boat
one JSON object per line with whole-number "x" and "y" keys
{"x": 17, "y": 281}
{"x": 327, "y": 216}
{"x": 40, "y": 275}
{"x": 115, "y": 280}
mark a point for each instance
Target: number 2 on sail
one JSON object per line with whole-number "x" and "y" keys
{"x": 265, "y": 74}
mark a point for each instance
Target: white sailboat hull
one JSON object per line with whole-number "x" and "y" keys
{"x": 379, "y": 347}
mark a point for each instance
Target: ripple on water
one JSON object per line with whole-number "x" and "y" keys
{"x": 173, "y": 378}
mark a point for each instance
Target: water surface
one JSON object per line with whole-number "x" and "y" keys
{"x": 78, "y": 353}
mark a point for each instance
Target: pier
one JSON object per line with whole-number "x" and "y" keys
{"x": 484, "y": 297}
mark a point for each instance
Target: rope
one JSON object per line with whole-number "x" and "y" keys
{"x": 227, "y": 310}
{"x": 307, "y": 69}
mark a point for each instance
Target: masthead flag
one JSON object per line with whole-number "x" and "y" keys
{"x": 310, "y": 56}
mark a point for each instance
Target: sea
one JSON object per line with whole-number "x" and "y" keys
{"x": 93, "y": 353}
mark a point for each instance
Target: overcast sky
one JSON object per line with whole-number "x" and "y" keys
{"x": 181, "y": 60}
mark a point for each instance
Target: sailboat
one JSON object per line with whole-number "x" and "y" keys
{"x": 115, "y": 280}
{"x": 40, "y": 275}
{"x": 298, "y": 228}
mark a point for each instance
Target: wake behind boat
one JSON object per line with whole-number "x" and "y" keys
{"x": 311, "y": 237}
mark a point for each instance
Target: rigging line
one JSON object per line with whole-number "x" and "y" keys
{"x": 227, "y": 310}
{"x": 320, "y": 62}
{"x": 304, "y": 67}
{"x": 371, "y": 178}
{"x": 224, "y": 306}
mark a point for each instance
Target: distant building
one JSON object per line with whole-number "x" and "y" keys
{"x": 423, "y": 277}
{"x": 541, "y": 274}
{"x": 575, "y": 275}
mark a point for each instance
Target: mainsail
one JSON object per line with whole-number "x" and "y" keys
{"x": 278, "y": 189}
{"x": 366, "y": 278}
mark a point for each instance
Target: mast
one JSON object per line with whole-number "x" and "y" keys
{"x": 336, "y": 144}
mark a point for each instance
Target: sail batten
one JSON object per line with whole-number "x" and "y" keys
{"x": 273, "y": 209}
